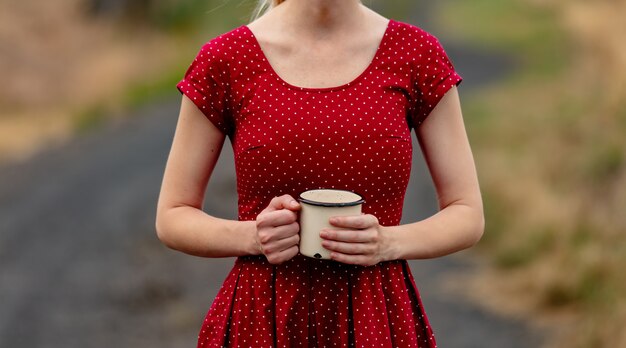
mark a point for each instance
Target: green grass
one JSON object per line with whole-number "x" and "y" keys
{"x": 604, "y": 161}
{"x": 144, "y": 92}
{"x": 530, "y": 34}
{"x": 538, "y": 241}
{"x": 90, "y": 118}
{"x": 133, "y": 97}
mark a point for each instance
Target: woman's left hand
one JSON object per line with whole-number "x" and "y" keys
{"x": 358, "y": 240}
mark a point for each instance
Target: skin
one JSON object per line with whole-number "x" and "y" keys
{"x": 322, "y": 26}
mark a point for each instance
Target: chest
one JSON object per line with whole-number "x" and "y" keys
{"x": 271, "y": 114}
{"x": 353, "y": 138}
{"x": 334, "y": 65}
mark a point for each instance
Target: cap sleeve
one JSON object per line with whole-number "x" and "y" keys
{"x": 433, "y": 77}
{"x": 206, "y": 84}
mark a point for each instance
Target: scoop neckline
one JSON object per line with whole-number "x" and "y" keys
{"x": 354, "y": 81}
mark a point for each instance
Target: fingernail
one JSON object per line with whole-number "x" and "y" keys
{"x": 294, "y": 203}
{"x": 333, "y": 220}
{"x": 323, "y": 234}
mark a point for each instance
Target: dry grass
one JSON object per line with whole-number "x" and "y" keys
{"x": 56, "y": 61}
{"x": 551, "y": 155}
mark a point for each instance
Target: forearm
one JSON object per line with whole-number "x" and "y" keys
{"x": 192, "y": 231}
{"x": 452, "y": 229}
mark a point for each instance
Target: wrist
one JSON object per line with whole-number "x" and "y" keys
{"x": 253, "y": 246}
{"x": 390, "y": 251}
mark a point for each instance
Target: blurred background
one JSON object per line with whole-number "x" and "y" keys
{"x": 87, "y": 113}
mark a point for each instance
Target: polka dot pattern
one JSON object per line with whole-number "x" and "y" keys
{"x": 288, "y": 139}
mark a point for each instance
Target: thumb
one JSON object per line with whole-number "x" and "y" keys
{"x": 283, "y": 202}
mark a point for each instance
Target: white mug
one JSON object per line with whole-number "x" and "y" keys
{"x": 318, "y": 206}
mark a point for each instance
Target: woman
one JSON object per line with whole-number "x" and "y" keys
{"x": 320, "y": 94}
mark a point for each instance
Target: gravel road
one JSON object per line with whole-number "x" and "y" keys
{"x": 80, "y": 264}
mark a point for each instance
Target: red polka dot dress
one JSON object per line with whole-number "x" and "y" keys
{"x": 288, "y": 139}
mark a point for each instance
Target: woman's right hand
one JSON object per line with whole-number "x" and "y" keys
{"x": 277, "y": 229}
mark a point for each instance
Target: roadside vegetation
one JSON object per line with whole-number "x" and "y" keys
{"x": 551, "y": 153}
{"x": 70, "y": 67}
